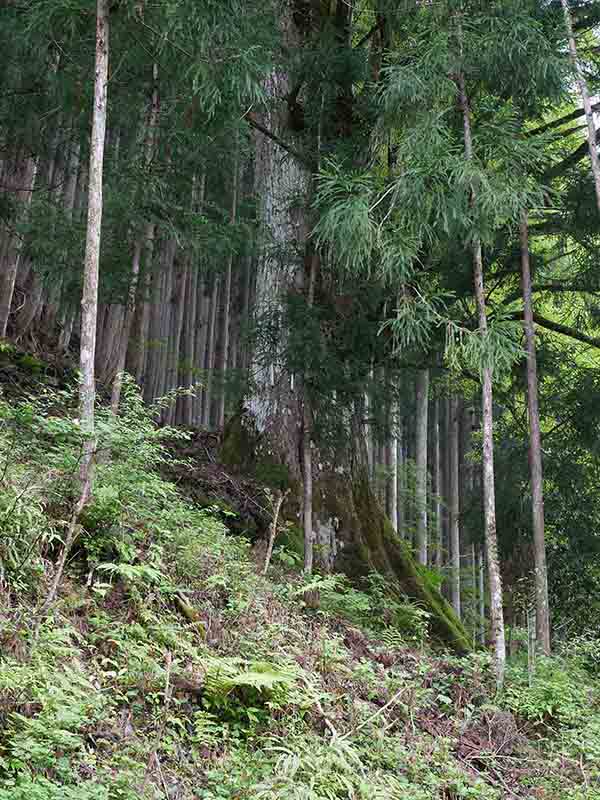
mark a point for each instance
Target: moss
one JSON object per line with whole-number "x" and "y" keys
{"x": 31, "y": 364}
{"x": 239, "y": 444}
{"x": 242, "y": 452}
{"x": 368, "y": 543}
{"x": 382, "y": 548}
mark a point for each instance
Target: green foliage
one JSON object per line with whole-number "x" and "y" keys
{"x": 554, "y": 696}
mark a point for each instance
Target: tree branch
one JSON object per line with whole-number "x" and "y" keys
{"x": 565, "y": 330}
{"x": 254, "y": 123}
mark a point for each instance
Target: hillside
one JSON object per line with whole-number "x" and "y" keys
{"x": 170, "y": 667}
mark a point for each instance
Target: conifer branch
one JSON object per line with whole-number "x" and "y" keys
{"x": 558, "y": 327}
{"x": 274, "y": 138}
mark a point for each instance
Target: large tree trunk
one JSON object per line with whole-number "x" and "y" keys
{"x": 535, "y": 452}
{"x": 587, "y": 103}
{"x": 489, "y": 500}
{"x": 280, "y": 181}
{"x": 422, "y": 386}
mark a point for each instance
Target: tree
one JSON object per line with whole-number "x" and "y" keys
{"x": 89, "y": 302}
{"x": 487, "y": 418}
{"x": 587, "y": 103}
{"x": 422, "y": 386}
{"x": 535, "y": 452}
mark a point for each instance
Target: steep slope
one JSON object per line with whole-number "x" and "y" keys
{"x": 171, "y": 668}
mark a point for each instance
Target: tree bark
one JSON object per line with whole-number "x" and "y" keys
{"x": 587, "y": 104}
{"x": 437, "y": 479}
{"x": 422, "y": 396}
{"x": 89, "y": 300}
{"x": 225, "y": 338}
{"x": 24, "y": 180}
{"x": 535, "y": 452}
{"x": 454, "y": 506}
{"x": 495, "y": 580}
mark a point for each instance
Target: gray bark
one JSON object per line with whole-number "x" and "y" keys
{"x": 89, "y": 300}
{"x": 535, "y": 452}
{"x": 422, "y": 392}
{"x": 495, "y": 580}
{"x": 587, "y": 104}
{"x": 454, "y": 506}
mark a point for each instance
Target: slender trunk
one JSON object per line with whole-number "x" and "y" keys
{"x": 481, "y": 594}
{"x": 227, "y": 300}
{"x": 89, "y": 300}
{"x": 307, "y": 423}
{"x": 24, "y": 184}
{"x": 400, "y": 474}
{"x": 535, "y": 452}
{"x": 437, "y": 473}
{"x": 194, "y": 310}
{"x": 201, "y": 337}
{"x": 454, "y": 506}
{"x": 421, "y": 462}
{"x": 587, "y": 103}
{"x": 210, "y": 352}
{"x": 392, "y": 467}
{"x": 495, "y": 580}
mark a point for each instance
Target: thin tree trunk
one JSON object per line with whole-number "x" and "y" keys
{"x": 437, "y": 477}
{"x": 307, "y": 423}
{"x": 89, "y": 300}
{"x": 481, "y": 594}
{"x": 210, "y": 352}
{"x": 392, "y": 466}
{"x": 194, "y": 311}
{"x": 422, "y": 386}
{"x": 24, "y": 184}
{"x": 535, "y": 452}
{"x": 454, "y": 506}
{"x": 495, "y": 580}
{"x": 400, "y": 474}
{"x": 587, "y": 103}
{"x": 227, "y": 300}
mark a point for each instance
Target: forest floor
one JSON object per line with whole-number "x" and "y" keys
{"x": 170, "y": 667}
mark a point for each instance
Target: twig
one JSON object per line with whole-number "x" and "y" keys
{"x": 60, "y": 567}
{"x": 273, "y": 532}
{"x": 378, "y": 713}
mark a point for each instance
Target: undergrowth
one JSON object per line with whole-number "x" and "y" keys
{"x": 171, "y": 668}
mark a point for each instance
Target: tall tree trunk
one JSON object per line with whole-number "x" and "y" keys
{"x": 587, "y": 103}
{"x": 535, "y": 452}
{"x": 422, "y": 393}
{"x": 225, "y": 338}
{"x": 495, "y": 580}
{"x": 280, "y": 180}
{"x": 437, "y": 480}
{"x": 89, "y": 300}
{"x": 454, "y": 505}
{"x": 211, "y": 347}
{"x": 23, "y": 180}
{"x": 392, "y": 465}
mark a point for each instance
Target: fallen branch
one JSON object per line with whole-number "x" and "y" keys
{"x": 273, "y": 528}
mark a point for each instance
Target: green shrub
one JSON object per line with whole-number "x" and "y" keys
{"x": 556, "y": 694}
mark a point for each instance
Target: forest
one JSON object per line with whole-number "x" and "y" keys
{"x": 299, "y": 399}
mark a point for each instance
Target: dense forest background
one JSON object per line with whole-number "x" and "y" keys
{"x": 351, "y": 248}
